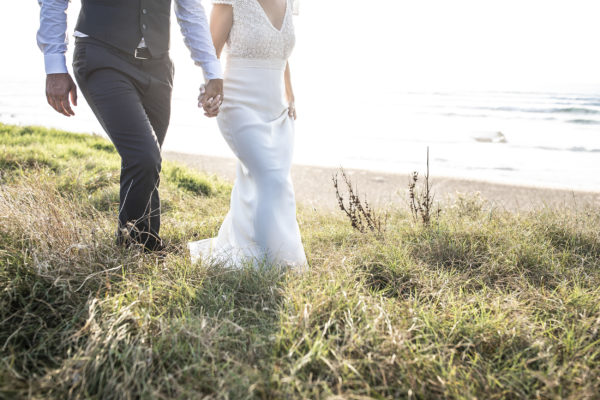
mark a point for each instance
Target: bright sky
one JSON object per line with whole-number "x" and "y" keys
{"x": 425, "y": 44}
{"x": 459, "y": 43}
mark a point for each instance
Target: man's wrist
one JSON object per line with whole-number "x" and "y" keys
{"x": 55, "y": 64}
{"x": 211, "y": 70}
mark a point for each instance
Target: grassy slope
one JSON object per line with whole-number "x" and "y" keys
{"x": 483, "y": 304}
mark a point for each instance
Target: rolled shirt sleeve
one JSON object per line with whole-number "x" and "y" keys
{"x": 196, "y": 35}
{"x": 52, "y": 35}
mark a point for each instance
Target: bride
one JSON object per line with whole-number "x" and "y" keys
{"x": 257, "y": 121}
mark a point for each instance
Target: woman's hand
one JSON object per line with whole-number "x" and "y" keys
{"x": 292, "y": 108}
{"x": 289, "y": 92}
{"x": 211, "y": 97}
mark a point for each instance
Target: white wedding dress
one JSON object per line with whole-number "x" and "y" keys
{"x": 261, "y": 224}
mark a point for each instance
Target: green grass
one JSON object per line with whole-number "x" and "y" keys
{"x": 482, "y": 304}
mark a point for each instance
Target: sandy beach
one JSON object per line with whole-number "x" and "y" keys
{"x": 314, "y": 188}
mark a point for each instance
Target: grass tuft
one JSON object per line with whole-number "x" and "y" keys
{"x": 186, "y": 179}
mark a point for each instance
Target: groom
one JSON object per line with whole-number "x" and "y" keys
{"x": 122, "y": 65}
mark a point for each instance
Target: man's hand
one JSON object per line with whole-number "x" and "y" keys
{"x": 58, "y": 89}
{"x": 211, "y": 97}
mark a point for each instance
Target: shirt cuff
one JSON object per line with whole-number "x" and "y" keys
{"x": 55, "y": 63}
{"x": 211, "y": 69}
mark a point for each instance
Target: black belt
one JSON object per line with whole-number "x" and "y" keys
{"x": 142, "y": 53}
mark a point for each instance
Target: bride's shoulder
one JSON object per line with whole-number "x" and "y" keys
{"x": 295, "y": 6}
{"x": 228, "y": 2}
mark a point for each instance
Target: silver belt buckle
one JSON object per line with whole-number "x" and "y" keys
{"x": 139, "y": 50}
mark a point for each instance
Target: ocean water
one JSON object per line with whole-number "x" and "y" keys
{"x": 539, "y": 139}
{"x": 377, "y": 115}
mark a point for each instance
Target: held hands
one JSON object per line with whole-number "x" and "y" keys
{"x": 58, "y": 89}
{"x": 211, "y": 97}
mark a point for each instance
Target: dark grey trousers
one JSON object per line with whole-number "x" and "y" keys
{"x": 132, "y": 100}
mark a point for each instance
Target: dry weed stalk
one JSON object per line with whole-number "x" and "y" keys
{"x": 362, "y": 217}
{"x": 421, "y": 201}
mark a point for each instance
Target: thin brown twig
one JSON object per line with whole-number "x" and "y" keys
{"x": 363, "y": 218}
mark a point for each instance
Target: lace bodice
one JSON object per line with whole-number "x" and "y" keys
{"x": 254, "y": 36}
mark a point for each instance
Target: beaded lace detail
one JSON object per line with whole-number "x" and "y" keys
{"x": 254, "y": 36}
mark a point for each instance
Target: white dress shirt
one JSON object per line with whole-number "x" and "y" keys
{"x": 52, "y": 37}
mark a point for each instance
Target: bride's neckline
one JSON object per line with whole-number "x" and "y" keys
{"x": 283, "y": 19}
